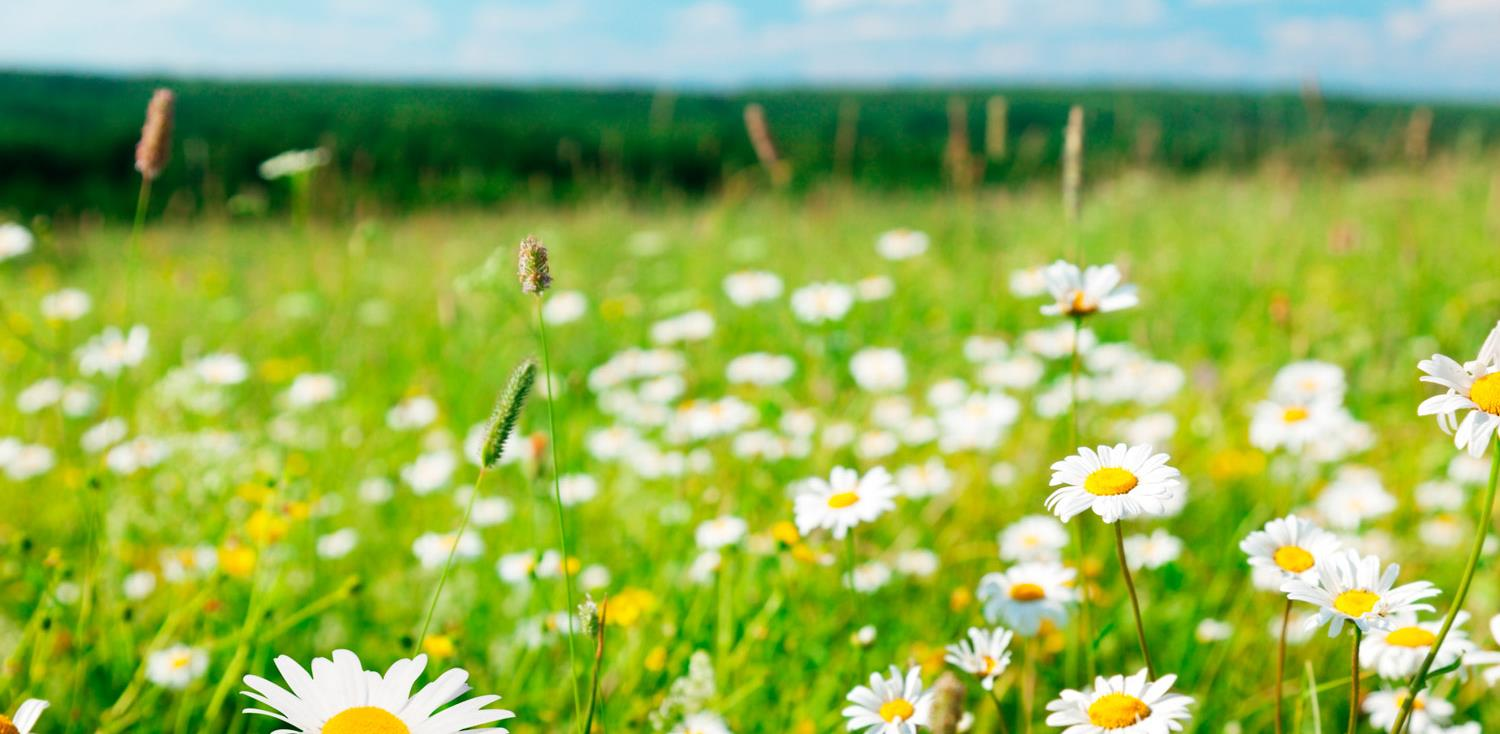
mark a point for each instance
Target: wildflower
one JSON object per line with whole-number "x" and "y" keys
{"x": 432, "y": 549}
{"x": 1355, "y": 495}
{"x": 879, "y": 370}
{"x": 1351, "y": 587}
{"x": 139, "y": 585}
{"x": 843, "y": 501}
{"x": 919, "y": 481}
{"x": 978, "y": 423}
{"x": 702, "y": 722}
{"x": 1134, "y": 703}
{"x": 984, "y": 655}
{"x": 750, "y": 287}
{"x": 176, "y": 667}
{"x": 1473, "y": 387}
{"x": 760, "y": 368}
{"x": 68, "y": 304}
{"x": 533, "y": 271}
{"x": 430, "y": 472}
{"x": 1027, "y": 594}
{"x": 1292, "y": 425}
{"x": 25, "y": 461}
{"x": 720, "y": 532}
{"x": 1093, "y": 290}
{"x": 869, "y": 578}
{"x": 1152, "y": 551}
{"x": 565, "y": 307}
{"x": 576, "y": 489}
{"x": 1395, "y": 654}
{"x": 1028, "y": 282}
{"x": 415, "y": 412}
{"x": 822, "y": 302}
{"x": 26, "y": 716}
{"x": 874, "y": 288}
{"x": 341, "y": 697}
{"x": 310, "y": 389}
{"x": 222, "y": 369}
{"x": 1213, "y": 630}
{"x": 1309, "y": 381}
{"x": 1488, "y": 658}
{"x": 15, "y": 241}
{"x": 1033, "y": 538}
{"x": 338, "y": 543}
{"x": 39, "y": 395}
{"x": 901, "y": 244}
{"x": 892, "y": 704}
{"x": 1291, "y": 546}
{"x": 293, "y": 163}
{"x": 1429, "y": 715}
{"x": 1118, "y": 482}
{"x": 111, "y": 351}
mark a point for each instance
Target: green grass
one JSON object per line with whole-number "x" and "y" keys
{"x": 1378, "y": 271}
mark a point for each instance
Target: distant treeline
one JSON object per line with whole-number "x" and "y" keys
{"x": 66, "y": 141}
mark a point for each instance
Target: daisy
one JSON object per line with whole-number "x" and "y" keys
{"x": 702, "y": 722}
{"x": 1486, "y": 657}
{"x": 1309, "y": 381}
{"x": 977, "y": 423}
{"x": 26, "y": 715}
{"x": 879, "y": 370}
{"x": 1152, "y": 551}
{"x": 430, "y": 472}
{"x": 750, "y": 287}
{"x": 176, "y": 667}
{"x": 112, "y": 351}
{"x": 874, "y": 288}
{"x": 417, "y": 411}
{"x": 1351, "y": 587}
{"x": 1132, "y": 704}
{"x": 759, "y": 368}
{"x": 311, "y": 389}
{"x": 222, "y": 369}
{"x": 1291, "y": 546}
{"x": 871, "y": 577}
{"x": 338, "y": 543}
{"x": 1397, "y": 653}
{"x": 1093, "y": 290}
{"x": 821, "y": 302}
{"x": 1473, "y": 387}
{"x": 919, "y": 481}
{"x": 893, "y": 704}
{"x": 68, "y": 304}
{"x": 1291, "y": 425}
{"x": 843, "y": 501}
{"x": 1428, "y": 715}
{"x": 1028, "y": 282}
{"x": 1026, "y": 594}
{"x": 341, "y": 697}
{"x": 1355, "y": 495}
{"x": 1033, "y": 538}
{"x": 432, "y": 549}
{"x": 983, "y": 655}
{"x": 1115, "y": 482}
{"x": 688, "y": 327}
{"x": 720, "y": 532}
{"x": 901, "y": 244}
{"x": 293, "y": 162}
{"x": 564, "y": 307}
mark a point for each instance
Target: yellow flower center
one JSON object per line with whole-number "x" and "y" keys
{"x": 7, "y": 726}
{"x": 988, "y": 664}
{"x": 1486, "y": 393}
{"x": 1117, "y": 711}
{"x": 1027, "y": 592}
{"x": 1410, "y": 637}
{"x": 365, "y": 720}
{"x": 1416, "y": 705}
{"x": 1356, "y": 602}
{"x": 1110, "y": 481}
{"x": 181, "y": 661}
{"x": 1294, "y": 414}
{"x": 842, "y": 500}
{"x": 1293, "y": 559}
{"x": 898, "y": 709}
{"x": 1080, "y": 304}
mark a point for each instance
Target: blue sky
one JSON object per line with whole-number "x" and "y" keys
{"x": 1407, "y": 48}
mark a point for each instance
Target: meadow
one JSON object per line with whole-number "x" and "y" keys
{"x": 276, "y": 462}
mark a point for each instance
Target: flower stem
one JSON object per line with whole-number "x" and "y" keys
{"x": 1286, "y": 620}
{"x": 1135, "y": 603}
{"x": 1419, "y": 681}
{"x": 562, "y": 527}
{"x": 437, "y": 593}
{"x": 1085, "y": 624}
{"x": 999, "y": 712}
{"x": 1354, "y": 682}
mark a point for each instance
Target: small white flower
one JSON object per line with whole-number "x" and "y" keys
{"x": 720, "y": 532}
{"x": 39, "y": 395}
{"x": 25, "y": 461}
{"x": 1354, "y": 496}
{"x": 702, "y": 722}
{"x": 879, "y": 369}
{"x": 918, "y": 562}
{"x": 1292, "y": 547}
{"x": 1135, "y": 705}
{"x": 891, "y": 704}
{"x": 984, "y": 655}
{"x": 338, "y": 543}
{"x": 871, "y": 577}
{"x": 293, "y": 162}
{"x": 920, "y": 481}
{"x": 1351, "y": 587}
{"x": 176, "y": 667}
{"x": 311, "y": 389}
{"x": 1309, "y": 381}
{"x": 68, "y": 304}
{"x": 1213, "y": 630}
{"x": 822, "y": 302}
{"x": 874, "y": 288}
{"x": 1033, "y": 538}
{"x": 432, "y": 549}
{"x": 577, "y": 489}
{"x": 760, "y": 368}
{"x": 222, "y": 369}
{"x": 1428, "y": 714}
{"x": 1026, "y": 594}
{"x": 103, "y": 435}
{"x": 901, "y": 244}
{"x": 1152, "y": 551}
{"x": 564, "y": 307}
{"x": 139, "y": 584}
{"x": 1473, "y": 387}
{"x": 112, "y": 351}
{"x": 843, "y": 501}
{"x": 1396, "y": 653}
{"x": 430, "y": 472}
{"x": 1093, "y": 290}
{"x": 15, "y": 241}
{"x": 1028, "y": 282}
{"x": 415, "y": 412}
{"x": 750, "y": 287}
{"x": 1118, "y": 482}
{"x": 688, "y": 327}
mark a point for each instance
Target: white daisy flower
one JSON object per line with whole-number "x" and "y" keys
{"x": 68, "y": 304}
{"x": 1292, "y": 425}
{"x": 1291, "y": 546}
{"x": 750, "y": 287}
{"x": 1133, "y": 705}
{"x": 919, "y": 481}
{"x": 338, "y": 543}
{"x": 517, "y": 568}
{"x": 341, "y": 697}
{"x": 1473, "y": 387}
{"x": 1028, "y": 282}
{"x": 984, "y": 349}
{"x": 843, "y": 501}
{"x": 293, "y": 162}
{"x": 871, "y": 577}
{"x": 1117, "y": 482}
{"x": 901, "y": 244}
{"x": 1033, "y": 538}
{"x": 1027, "y": 593}
{"x": 1429, "y": 715}
{"x": 1152, "y": 551}
{"x": 702, "y": 722}
{"x": 1095, "y": 289}
{"x": 564, "y": 307}
{"x": 692, "y": 326}
{"x": 1057, "y": 342}
{"x": 430, "y": 472}
{"x": 1487, "y": 657}
{"x": 918, "y": 562}
{"x": 1351, "y": 587}
{"x": 821, "y": 302}
{"x": 576, "y": 489}
{"x": 1309, "y": 381}
{"x": 311, "y": 389}
{"x": 1355, "y": 495}
{"x": 1395, "y": 654}
{"x": 892, "y": 704}
{"x": 25, "y": 461}
{"x": 984, "y": 655}
{"x": 760, "y": 368}
{"x": 874, "y": 288}
{"x": 432, "y": 549}
{"x": 176, "y": 667}
{"x": 978, "y": 423}
{"x": 417, "y": 411}
{"x": 15, "y": 241}
{"x": 26, "y": 716}
{"x": 720, "y": 532}
{"x": 1213, "y": 630}
{"x": 112, "y": 351}
{"x": 39, "y": 395}
{"x": 222, "y": 368}
{"x": 879, "y": 370}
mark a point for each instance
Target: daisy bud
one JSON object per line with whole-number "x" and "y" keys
{"x": 155, "y": 147}
{"x": 535, "y": 275}
{"x": 947, "y": 704}
{"x": 508, "y": 411}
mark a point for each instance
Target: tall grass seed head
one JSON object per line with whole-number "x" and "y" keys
{"x": 508, "y": 411}
{"x": 155, "y": 147}
{"x": 533, "y": 270}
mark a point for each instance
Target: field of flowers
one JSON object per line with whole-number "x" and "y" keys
{"x": 797, "y": 451}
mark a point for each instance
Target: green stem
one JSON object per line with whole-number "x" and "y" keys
{"x": 1085, "y": 624}
{"x": 562, "y": 528}
{"x": 1354, "y": 682}
{"x": 416, "y": 645}
{"x": 1135, "y": 603}
{"x": 1419, "y": 681}
{"x": 1286, "y": 620}
{"x": 999, "y": 712}
{"x": 142, "y": 203}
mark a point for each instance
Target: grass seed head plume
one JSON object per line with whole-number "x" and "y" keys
{"x": 155, "y": 148}
{"x": 1073, "y": 161}
{"x": 508, "y": 411}
{"x": 534, "y": 272}
{"x": 947, "y": 704}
